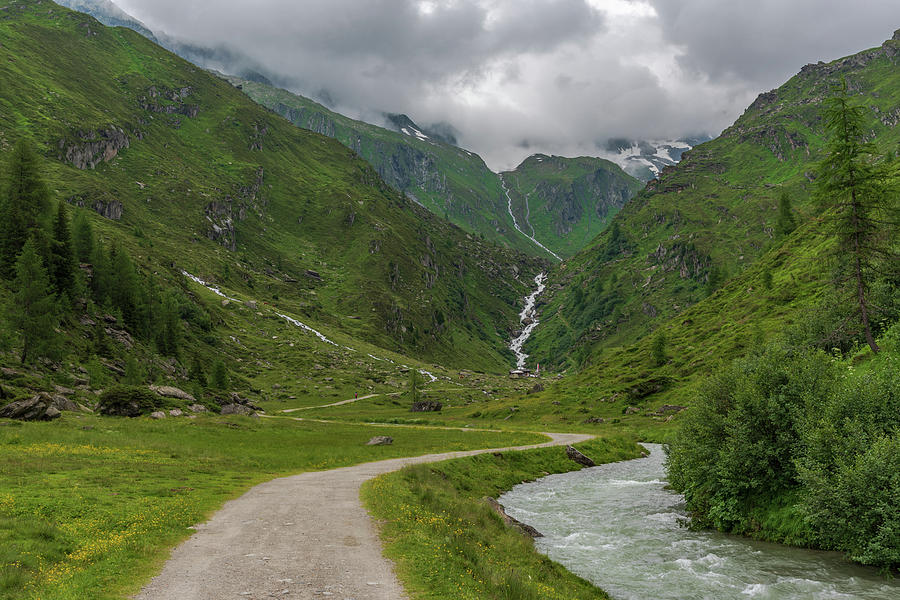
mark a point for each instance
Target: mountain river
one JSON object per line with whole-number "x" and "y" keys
{"x": 617, "y": 526}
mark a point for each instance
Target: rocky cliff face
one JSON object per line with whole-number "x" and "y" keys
{"x": 87, "y": 149}
{"x": 567, "y": 201}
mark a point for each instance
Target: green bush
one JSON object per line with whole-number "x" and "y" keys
{"x": 795, "y": 445}
{"x": 129, "y": 401}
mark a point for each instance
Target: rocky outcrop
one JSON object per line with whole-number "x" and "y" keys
{"x": 169, "y": 101}
{"x": 511, "y": 521}
{"x": 40, "y": 407}
{"x": 90, "y": 148}
{"x": 111, "y": 209}
{"x": 578, "y": 457}
{"x": 172, "y": 392}
{"x": 221, "y": 215}
{"x": 685, "y": 259}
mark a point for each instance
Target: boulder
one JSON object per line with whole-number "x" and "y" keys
{"x": 593, "y": 420}
{"x": 158, "y": 414}
{"x": 197, "y": 408}
{"x": 37, "y": 408}
{"x": 60, "y": 402}
{"x": 238, "y": 409}
{"x": 631, "y": 410}
{"x": 380, "y": 440}
{"x": 236, "y": 399}
{"x": 578, "y": 457}
{"x": 175, "y": 412}
{"x": 426, "y": 406}
{"x": 167, "y": 391}
{"x": 510, "y": 521}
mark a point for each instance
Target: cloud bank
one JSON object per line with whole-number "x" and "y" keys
{"x": 515, "y": 77}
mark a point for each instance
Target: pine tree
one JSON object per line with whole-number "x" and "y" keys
{"x": 219, "y": 376}
{"x": 414, "y": 380}
{"x": 786, "y": 223}
{"x": 83, "y": 238}
{"x": 25, "y": 204}
{"x": 659, "y": 349}
{"x": 33, "y": 310}
{"x": 851, "y": 189}
{"x": 62, "y": 266}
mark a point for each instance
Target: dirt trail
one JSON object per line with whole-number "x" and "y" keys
{"x": 300, "y": 537}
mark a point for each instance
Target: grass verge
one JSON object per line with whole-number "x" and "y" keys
{"x": 448, "y": 543}
{"x": 89, "y": 506}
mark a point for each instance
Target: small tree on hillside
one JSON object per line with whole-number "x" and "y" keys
{"x": 62, "y": 266}
{"x": 414, "y": 381}
{"x": 82, "y": 237}
{"x": 851, "y": 189}
{"x": 786, "y": 223}
{"x": 659, "y": 349}
{"x": 33, "y": 310}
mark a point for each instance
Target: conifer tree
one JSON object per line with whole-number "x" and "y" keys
{"x": 785, "y": 224}
{"x": 33, "y": 310}
{"x": 24, "y": 205}
{"x": 82, "y": 238}
{"x": 62, "y": 266}
{"x": 219, "y": 376}
{"x": 851, "y": 189}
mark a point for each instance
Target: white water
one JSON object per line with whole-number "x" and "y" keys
{"x": 528, "y": 312}
{"x": 516, "y": 223}
{"x": 618, "y": 526}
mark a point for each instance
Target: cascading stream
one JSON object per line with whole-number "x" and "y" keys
{"x": 618, "y": 526}
{"x": 516, "y": 223}
{"x": 528, "y": 318}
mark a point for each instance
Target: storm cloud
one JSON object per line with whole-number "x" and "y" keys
{"x": 515, "y": 77}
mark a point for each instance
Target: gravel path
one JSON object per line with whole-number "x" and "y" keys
{"x": 300, "y": 537}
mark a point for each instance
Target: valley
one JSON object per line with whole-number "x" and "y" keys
{"x": 216, "y": 293}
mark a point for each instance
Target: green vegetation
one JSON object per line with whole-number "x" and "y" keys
{"x": 796, "y": 446}
{"x": 852, "y": 190}
{"x": 449, "y": 543}
{"x": 451, "y": 182}
{"x": 711, "y": 218}
{"x": 565, "y": 202}
{"x": 90, "y": 506}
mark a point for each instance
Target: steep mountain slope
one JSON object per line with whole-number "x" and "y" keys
{"x": 565, "y": 202}
{"x": 191, "y": 174}
{"x": 712, "y": 215}
{"x": 448, "y": 180}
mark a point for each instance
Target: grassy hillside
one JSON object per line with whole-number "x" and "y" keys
{"x": 565, "y": 202}
{"x": 449, "y": 181}
{"x": 711, "y": 216}
{"x": 198, "y": 177}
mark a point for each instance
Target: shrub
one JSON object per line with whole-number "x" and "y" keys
{"x": 129, "y": 401}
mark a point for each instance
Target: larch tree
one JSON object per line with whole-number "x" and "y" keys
{"x": 852, "y": 193}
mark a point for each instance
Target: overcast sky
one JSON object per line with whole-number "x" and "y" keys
{"x": 516, "y": 77}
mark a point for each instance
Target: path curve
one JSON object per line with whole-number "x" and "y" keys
{"x": 300, "y": 537}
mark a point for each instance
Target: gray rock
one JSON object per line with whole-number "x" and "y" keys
{"x": 175, "y": 412}
{"x": 238, "y": 409}
{"x": 578, "y": 457}
{"x": 158, "y": 414}
{"x": 632, "y": 410}
{"x": 380, "y": 440}
{"x": 167, "y": 391}
{"x": 197, "y": 408}
{"x": 426, "y": 406}
{"x": 60, "y": 402}
{"x": 37, "y": 408}
{"x": 510, "y": 521}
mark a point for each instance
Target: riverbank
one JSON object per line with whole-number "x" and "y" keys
{"x": 91, "y": 506}
{"x": 447, "y": 542}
